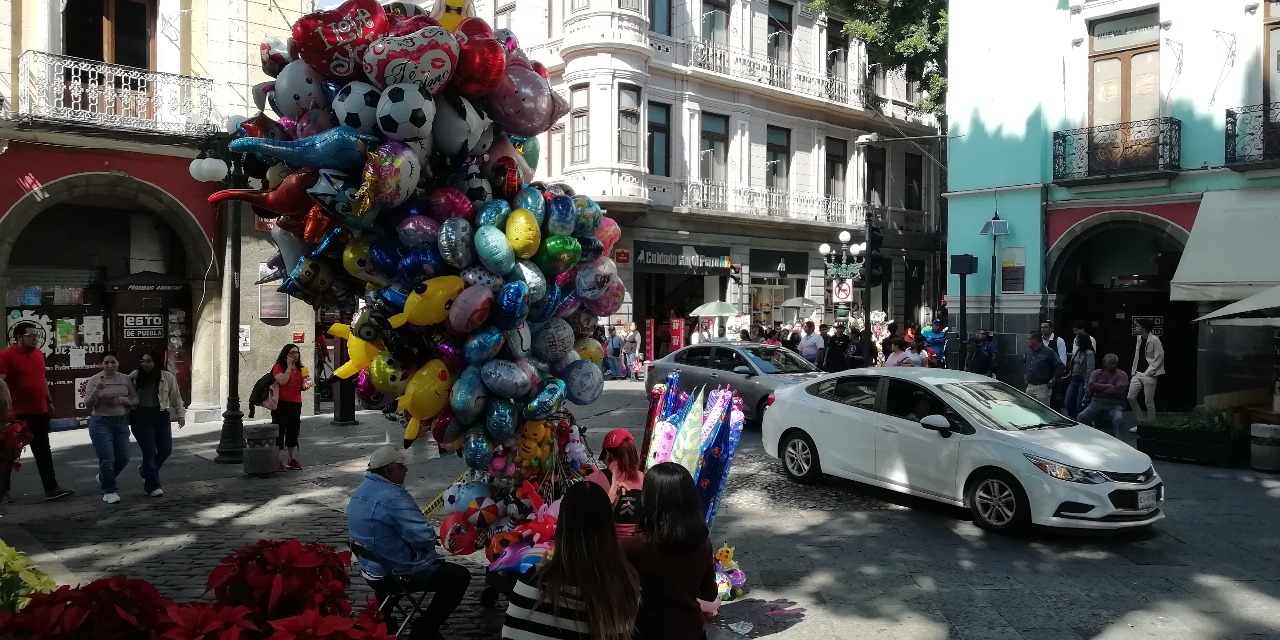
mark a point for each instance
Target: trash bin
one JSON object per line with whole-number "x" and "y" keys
{"x": 261, "y": 456}
{"x": 1264, "y": 447}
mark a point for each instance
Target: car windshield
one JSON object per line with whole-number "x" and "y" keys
{"x": 769, "y": 359}
{"x": 1003, "y": 407}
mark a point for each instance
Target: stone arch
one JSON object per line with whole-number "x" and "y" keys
{"x": 1081, "y": 232}
{"x": 148, "y": 196}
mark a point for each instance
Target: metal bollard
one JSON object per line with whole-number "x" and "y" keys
{"x": 261, "y": 456}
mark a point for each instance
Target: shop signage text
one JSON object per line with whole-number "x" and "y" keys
{"x": 660, "y": 257}
{"x": 143, "y": 326}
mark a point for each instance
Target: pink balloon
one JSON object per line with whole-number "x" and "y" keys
{"x": 523, "y": 102}
{"x": 471, "y": 309}
{"x": 608, "y": 233}
{"x": 315, "y": 121}
{"x": 418, "y": 231}
{"x": 609, "y": 303}
{"x": 449, "y": 202}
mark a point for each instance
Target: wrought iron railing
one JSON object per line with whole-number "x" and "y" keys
{"x": 87, "y": 92}
{"x": 776, "y": 203}
{"x": 1253, "y": 134}
{"x": 1117, "y": 150}
{"x": 760, "y": 68}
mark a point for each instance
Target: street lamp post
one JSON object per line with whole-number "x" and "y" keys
{"x": 844, "y": 264}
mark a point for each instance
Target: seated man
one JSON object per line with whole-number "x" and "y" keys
{"x": 384, "y": 518}
{"x": 1109, "y": 389}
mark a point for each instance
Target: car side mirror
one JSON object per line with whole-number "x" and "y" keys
{"x": 743, "y": 370}
{"x": 936, "y": 422}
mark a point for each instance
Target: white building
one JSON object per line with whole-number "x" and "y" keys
{"x": 728, "y": 129}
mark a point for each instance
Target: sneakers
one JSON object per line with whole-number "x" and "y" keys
{"x": 295, "y": 465}
{"x": 1133, "y": 429}
{"x": 7, "y": 498}
{"x": 57, "y": 493}
{"x": 111, "y": 498}
{"x": 156, "y": 493}
{"x": 280, "y": 466}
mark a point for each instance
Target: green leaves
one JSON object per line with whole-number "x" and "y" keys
{"x": 19, "y": 579}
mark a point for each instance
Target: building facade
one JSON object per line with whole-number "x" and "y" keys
{"x": 723, "y": 136}
{"x": 1128, "y": 152}
{"x": 106, "y": 240}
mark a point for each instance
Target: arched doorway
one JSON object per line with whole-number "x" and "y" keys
{"x": 1115, "y": 267}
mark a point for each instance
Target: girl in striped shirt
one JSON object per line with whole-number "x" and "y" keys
{"x": 549, "y": 603}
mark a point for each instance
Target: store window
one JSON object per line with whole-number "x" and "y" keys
{"x": 660, "y": 17}
{"x": 714, "y": 147}
{"x": 629, "y": 124}
{"x": 659, "y": 139}
{"x": 579, "y": 128}
{"x": 913, "y": 185}
{"x": 837, "y": 167}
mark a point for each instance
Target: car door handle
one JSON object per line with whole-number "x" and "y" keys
{"x": 715, "y": 375}
{"x": 823, "y": 411}
{"x": 888, "y": 429}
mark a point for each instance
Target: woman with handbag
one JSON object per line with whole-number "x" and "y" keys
{"x": 291, "y": 380}
{"x": 159, "y": 403}
{"x": 630, "y": 349}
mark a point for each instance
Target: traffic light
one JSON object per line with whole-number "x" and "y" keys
{"x": 874, "y": 268}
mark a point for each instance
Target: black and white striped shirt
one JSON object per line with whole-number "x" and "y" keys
{"x": 529, "y": 619}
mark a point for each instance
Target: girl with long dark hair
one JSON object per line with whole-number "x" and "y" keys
{"x": 673, "y": 556}
{"x": 159, "y": 402}
{"x": 1081, "y": 364}
{"x": 291, "y": 378}
{"x": 623, "y": 478}
{"x": 586, "y": 591}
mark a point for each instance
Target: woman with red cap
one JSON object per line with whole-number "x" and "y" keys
{"x": 623, "y": 478}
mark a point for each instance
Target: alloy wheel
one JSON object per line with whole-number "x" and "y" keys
{"x": 799, "y": 458}
{"x": 996, "y": 502}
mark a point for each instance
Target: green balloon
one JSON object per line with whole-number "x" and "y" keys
{"x": 557, "y": 254}
{"x": 530, "y": 149}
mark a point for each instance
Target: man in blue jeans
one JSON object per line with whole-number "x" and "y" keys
{"x": 1108, "y": 387}
{"x": 384, "y": 518}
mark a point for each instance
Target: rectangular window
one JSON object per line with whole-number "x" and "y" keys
{"x": 629, "y": 124}
{"x": 113, "y": 31}
{"x": 912, "y": 90}
{"x": 579, "y": 128}
{"x": 913, "y": 185}
{"x": 714, "y": 148}
{"x": 555, "y": 154}
{"x": 659, "y": 139}
{"x": 777, "y": 158}
{"x": 555, "y": 18}
{"x": 779, "y": 44}
{"x": 715, "y": 21}
{"x": 875, "y": 195}
{"x": 837, "y": 51}
{"x": 660, "y": 17}
{"x": 1124, "y": 87}
{"x": 629, "y": 5}
{"x": 837, "y": 167}
{"x": 504, "y": 17}
{"x": 579, "y": 5}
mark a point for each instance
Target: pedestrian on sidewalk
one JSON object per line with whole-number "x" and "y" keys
{"x": 623, "y": 477}
{"x": 291, "y": 378}
{"x": 1058, "y": 393}
{"x": 1078, "y": 370}
{"x": 672, "y": 556}
{"x": 22, "y": 369}
{"x": 383, "y": 518}
{"x": 837, "y": 353}
{"x": 586, "y": 590}
{"x": 1106, "y": 389}
{"x": 110, "y": 397}
{"x": 614, "y": 346}
{"x": 1148, "y": 366}
{"x": 159, "y": 403}
{"x": 631, "y": 351}
{"x": 1042, "y": 368}
{"x": 898, "y": 356}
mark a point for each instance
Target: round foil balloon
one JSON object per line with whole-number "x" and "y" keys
{"x": 531, "y": 199}
{"x": 547, "y": 402}
{"x": 519, "y": 341}
{"x": 589, "y": 349}
{"x": 523, "y": 102}
{"x": 390, "y": 176}
{"x": 609, "y": 303}
{"x": 530, "y": 274}
{"x": 554, "y": 340}
{"x": 468, "y": 397}
{"x": 482, "y": 346}
{"x": 481, "y": 64}
{"x": 523, "y": 233}
{"x": 385, "y": 254}
{"x": 368, "y": 395}
{"x": 477, "y": 451}
{"x": 561, "y": 216}
{"x": 501, "y": 419}
{"x": 588, "y": 216}
{"x": 495, "y": 213}
{"x": 448, "y": 351}
{"x": 471, "y": 309}
{"x": 592, "y": 248}
{"x": 426, "y": 57}
{"x": 477, "y": 276}
{"x": 418, "y": 231}
{"x": 583, "y": 323}
{"x": 569, "y": 306}
{"x": 595, "y": 277}
{"x": 455, "y": 243}
{"x": 450, "y": 202}
{"x": 583, "y": 381}
{"x": 506, "y": 378}
{"x": 609, "y": 233}
{"x": 333, "y": 41}
{"x": 512, "y": 305}
{"x": 424, "y": 262}
{"x": 557, "y": 254}
{"x": 493, "y": 250}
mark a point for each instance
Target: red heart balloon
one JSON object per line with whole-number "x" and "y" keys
{"x": 332, "y": 42}
{"x": 482, "y": 62}
{"x": 400, "y": 25}
{"x": 473, "y": 28}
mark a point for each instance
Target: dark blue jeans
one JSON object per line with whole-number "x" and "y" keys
{"x": 1075, "y": 396}
{"x": 110, "y": 437}
{"x": 154, "y": 434}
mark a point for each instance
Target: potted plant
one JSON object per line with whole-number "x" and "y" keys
{"x": 283, "y": 579}
{"x": 103, "y": 609}
{"x": 20, "y": 578}
{"x": 1205, "y": 436}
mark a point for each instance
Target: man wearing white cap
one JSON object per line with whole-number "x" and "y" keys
{"x": 384, "y": 518}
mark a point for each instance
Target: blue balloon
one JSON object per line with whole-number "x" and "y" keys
{"x": 545, "y": 309}
{"x": 493, "y": 250}
{"x": 483, "y": 345}
{"x": 589, "y": 216}
{"x": 332, "y": 88}
{"x": 419, "y": 264}
{"x": 584, "y": 382}
{"x": 341, "y": 148}
{"x": 502, "y": 419}
{"x": 477, "y": 451}
{"x": 513, "y": 305}
{"x": 473, "y": 490}
{"x": 468, "y": 396}
{"x": 547, "y": 402}
{"x": 530, "y": 198}
{"x": 394, "y": 298}
{"x": 385, "y": 253}
{"x": 494, "y": 213}
{"x": 592, "y": 248}
{"x": 561, "y": 218}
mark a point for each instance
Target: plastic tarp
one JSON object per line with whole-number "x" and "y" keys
{"x": 1232, "y": 252}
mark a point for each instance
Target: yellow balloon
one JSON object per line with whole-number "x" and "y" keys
{"x": 429, "y": 302}
{"x": 359, "y": 352}
{"x": 356, "y": 260}
{"x": 428, "y": 391}
{"x": 589, "y": 349}
{"x": 523, "y": 233}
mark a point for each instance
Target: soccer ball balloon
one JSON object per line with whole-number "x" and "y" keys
{"x": 405, "y": 112}
{"x": 356, "y": 106}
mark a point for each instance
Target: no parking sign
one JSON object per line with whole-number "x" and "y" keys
{"x": 842, "y": 291}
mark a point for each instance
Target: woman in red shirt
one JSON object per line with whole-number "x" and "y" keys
{"x": 622, "y": 478}
{"x": 291, "y": 378}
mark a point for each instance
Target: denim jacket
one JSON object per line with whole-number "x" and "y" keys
{"x": 383, "y": 517}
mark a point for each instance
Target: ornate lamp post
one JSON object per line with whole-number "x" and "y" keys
{"x": 845, "y": 265}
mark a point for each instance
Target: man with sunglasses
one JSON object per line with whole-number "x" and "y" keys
{"x": 22, "y": 367}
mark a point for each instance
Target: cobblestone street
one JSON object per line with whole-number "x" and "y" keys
{"x": 832, "y": 561}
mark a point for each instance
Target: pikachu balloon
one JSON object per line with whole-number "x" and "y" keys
{"x": 451, "y": 13}
{"x": 359, "y": 352}
{"x": 426, "y": 395}
{"x": 429, "y": 302}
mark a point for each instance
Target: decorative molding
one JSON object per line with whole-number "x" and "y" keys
{"x": 1121, "y": 203}
{"x": 1120, "y": 186}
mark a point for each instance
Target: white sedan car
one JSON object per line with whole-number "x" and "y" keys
{"x": 965, "y": 440}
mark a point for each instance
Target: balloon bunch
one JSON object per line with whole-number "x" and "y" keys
{"x": 398, "y": 169}
{"x": 731, "y": 582}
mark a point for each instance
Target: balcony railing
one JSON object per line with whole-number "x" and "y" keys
{"x": 769, "y": 202}
{"x": 1115, "y": 152}
{"x": 1253, "y": 136}
{"x": 86, "y": 92}
{"x": 763, "y": 70}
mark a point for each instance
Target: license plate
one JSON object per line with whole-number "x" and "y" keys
{"x": 1148, "y": 499}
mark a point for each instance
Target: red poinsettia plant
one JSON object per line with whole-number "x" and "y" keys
{"x": 14, "y": 437}
{"x": 109, "y": 609}
{"x": 208, "y": 622}
{"x": 313, "y": 625}
{"x": 279, "y": 580}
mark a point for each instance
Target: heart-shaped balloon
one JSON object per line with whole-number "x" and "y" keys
{"x": 332, "y": 42}
{"x": 481, "y": 59}
{"x": 426, "y": 57}
{"x": 404, "y": 25}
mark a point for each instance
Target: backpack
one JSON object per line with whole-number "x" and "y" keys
{"x": 265, "y": 393}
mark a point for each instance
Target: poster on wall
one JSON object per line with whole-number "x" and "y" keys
{"x": 1013, "y": 270}
{"x": 273, "y": 304}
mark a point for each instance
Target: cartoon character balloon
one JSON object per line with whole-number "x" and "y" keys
{"x": 523, "y": 102}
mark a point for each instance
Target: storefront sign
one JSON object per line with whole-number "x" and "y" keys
{"x": 1013, "y": 270}
{"x": 1157, "y": 325}
{"x": 299, "y": 337}
{"x": 779, "y": 264}
{"x": 622, "y": 256}
{"x": 660, "y": 257}
{"x": 1124, "y": 32}
{"x": 143, "y": 326}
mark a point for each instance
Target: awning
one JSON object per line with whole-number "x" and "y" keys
{"x": 1257, "y": 307}
{"x": 1231, "y": 254}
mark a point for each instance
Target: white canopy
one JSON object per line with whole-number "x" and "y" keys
{"x": 1232, "y": 252}
{"x": 1267, "y": 301}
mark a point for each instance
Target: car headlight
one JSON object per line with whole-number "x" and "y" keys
{"x": 1067, "y": 472}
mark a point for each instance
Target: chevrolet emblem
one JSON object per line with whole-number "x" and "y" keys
{"x": 1142, "y": 478}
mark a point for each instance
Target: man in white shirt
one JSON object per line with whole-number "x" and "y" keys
{"x": 812, "y": 345}
{"x": 1148, "y": 365}
{"x": 1059, "y": 346}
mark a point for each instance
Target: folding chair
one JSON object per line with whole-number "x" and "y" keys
{"x": 390, "y": 590}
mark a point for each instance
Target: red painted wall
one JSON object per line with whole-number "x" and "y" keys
{"x": 25, "y": 167}
{"x": 1182, "y": 214}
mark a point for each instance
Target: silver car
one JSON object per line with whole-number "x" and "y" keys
{"x": 753, "y": 370}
